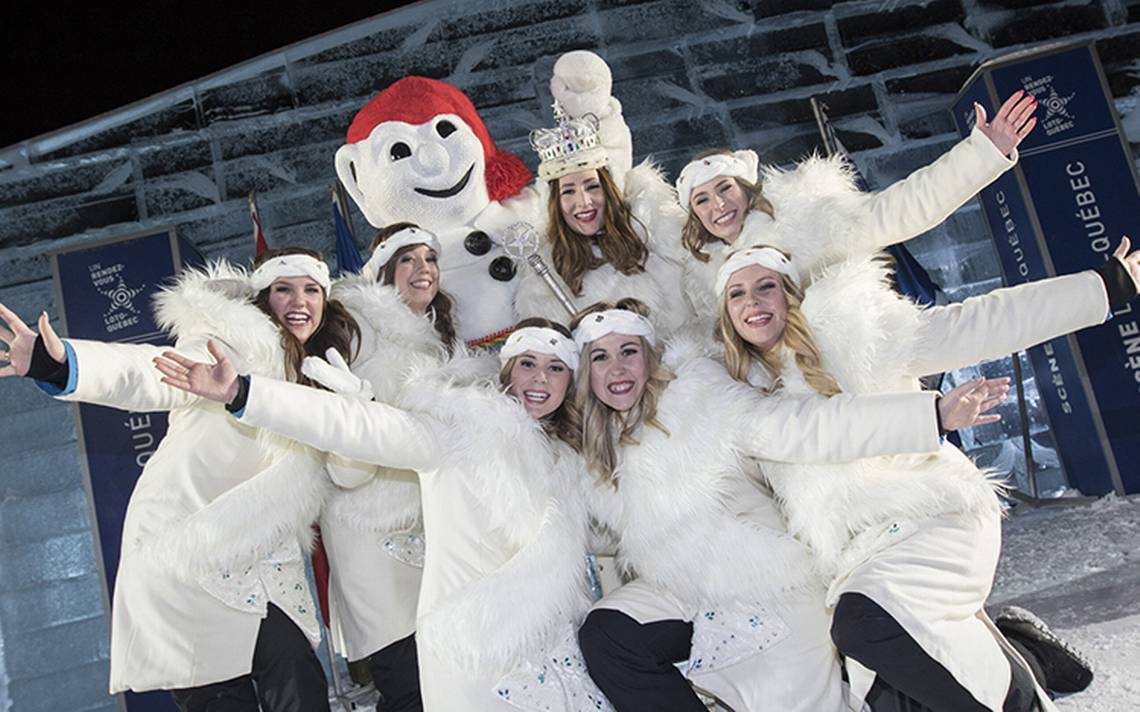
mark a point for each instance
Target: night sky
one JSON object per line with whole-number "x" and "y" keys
{"x": 62, "y": 66}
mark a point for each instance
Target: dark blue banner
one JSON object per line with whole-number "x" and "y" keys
{"x": 104, "y": 292}
{"x": 1063, "y": 209}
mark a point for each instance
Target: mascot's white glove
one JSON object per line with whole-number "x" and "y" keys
{"x": 583, "y": 84}
{"x": 334, "y": 375}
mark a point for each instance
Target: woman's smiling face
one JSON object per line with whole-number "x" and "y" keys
{"x": 298, "y": 304}
{"x": 721, "y": 205}
{"x": 539, "y": 382}
{"x": 618, "y": 370}
{"x": 757, "y": 305}
{"x": 582, "y": 201}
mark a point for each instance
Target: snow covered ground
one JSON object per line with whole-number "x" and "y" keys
{"x": 1078, "y": 568}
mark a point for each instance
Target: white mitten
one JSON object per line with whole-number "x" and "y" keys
{"x": 582, "y": 84}
{"x": 335, "y": 375}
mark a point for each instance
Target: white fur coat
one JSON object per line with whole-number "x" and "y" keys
{"x": 869, "y": 338}
{"x": 526, "y": 488}
{"x": 677, "y": 508}
{"x": 277, "y": 503}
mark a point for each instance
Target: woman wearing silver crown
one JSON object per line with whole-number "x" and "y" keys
{"x": 816, "y": 212}
{"x": 371, "y": 523}
{"x": 910, "y": 544}
{"x": 211, "y": 599}
{"x": 610, "y": 232}
{"x": 721, "y": 584}
{"x": 504, "y": 581}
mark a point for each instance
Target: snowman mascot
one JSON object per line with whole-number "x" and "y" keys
{"x": 419, "y": 152}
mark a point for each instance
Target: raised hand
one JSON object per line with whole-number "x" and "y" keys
{"x": 1013, "y": 122}
{"x": 965, "y": 405}
{"x": 216, "y": 382}
{"x": 21, "y": 340}
{"x": 1131, "y": 260}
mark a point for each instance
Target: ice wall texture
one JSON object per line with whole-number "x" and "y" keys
{"x": 691, "y": 74}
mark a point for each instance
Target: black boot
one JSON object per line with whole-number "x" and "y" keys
{"x": 1063, "y": 669}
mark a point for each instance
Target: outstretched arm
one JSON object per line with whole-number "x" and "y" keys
{"x": 112, "y": 375}
{"x": 1015, "y": 318}
{"x": 926, "y": 197}
{"x": 812, "y": 428}
{"x": 344, "y": 425}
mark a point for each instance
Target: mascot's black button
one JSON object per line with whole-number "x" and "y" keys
{"x": 502, "y": 269}
{"x": 477, "y": 243}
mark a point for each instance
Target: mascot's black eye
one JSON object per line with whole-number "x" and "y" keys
{"x": 445, "y": 129}
{"x": 399, "y": 150}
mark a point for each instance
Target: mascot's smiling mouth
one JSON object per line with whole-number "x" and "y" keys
{"x": 448, "y": 192}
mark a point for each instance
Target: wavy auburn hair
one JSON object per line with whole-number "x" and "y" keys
{"x": 694, "y": 235}
{"x": 441, "y": 308}
{"x": 337, "y": 330}
{"x": 619, "y": 243}
{"x": 565, "y": 423}
{"x": 604, "y": 428}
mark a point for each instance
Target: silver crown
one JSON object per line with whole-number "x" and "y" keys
{"x": 570, "y": 136}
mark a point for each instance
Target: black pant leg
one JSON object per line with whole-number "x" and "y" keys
{"x": 286, "y": 670}
{"x": 236, "y": 695}
{"x": 864, "y": 632}
{"x": 632, "y": 663}
{"x": 396, "y": 674}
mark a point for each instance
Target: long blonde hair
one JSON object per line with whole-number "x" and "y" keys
{"x": 739, "y": 354}
{"x": 565, "y": 423}
{"x": 620, "y": 244}
{"x": 604, "y": 428}
{"x": 694, "y": 235}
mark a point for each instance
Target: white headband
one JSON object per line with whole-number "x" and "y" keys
{"x": 612, "y": 321}
{"x": 768, "y": 257}
{"x": 739, "y": 164}
{"x": 542, "y": 340}
{"x": 399, "y": 239}
{"x": 290, "y": 266}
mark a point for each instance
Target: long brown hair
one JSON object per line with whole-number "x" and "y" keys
{"x": 337, "y": 330}
{"x": 441, "y": 307}
{"x": 739, "y": 354}
{"x": 694, "y": 235}
{"x": 619, "y": 242}
{"x": 565, "y": 423}
{"x": 603, "y": 428}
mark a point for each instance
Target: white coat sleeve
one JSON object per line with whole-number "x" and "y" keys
{"x": 1006, "y": 321}
{"x": 813, "y": 428}
{"x": 926, "y": 197}
{"x": 123, "y": 375}
{"x": 367, "y": 431}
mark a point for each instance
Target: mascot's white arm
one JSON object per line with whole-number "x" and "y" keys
{"x": 1007, "y": 320}
{"x": 928, "y": 196}
{"x": 582, "y": 84}
{"x": 813, "y": 428}
{"x": 360, "y": 430}
{"x": 123, "y": 375}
